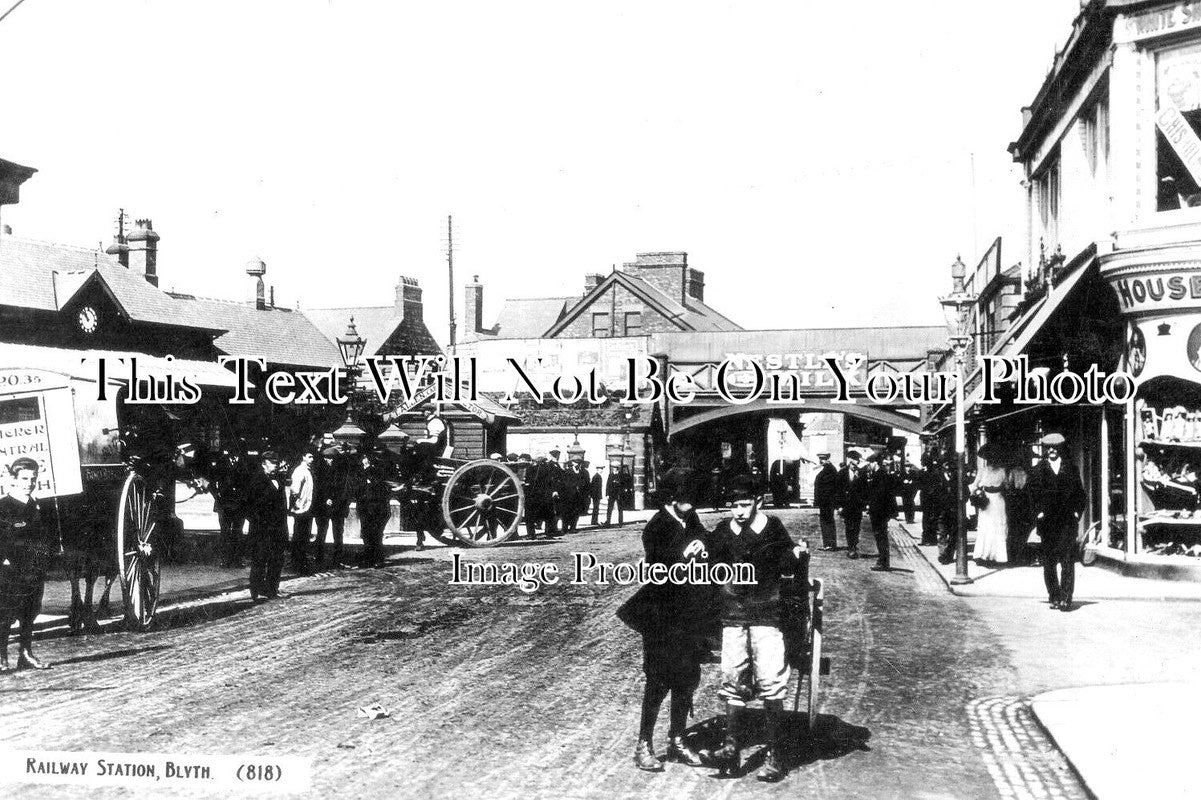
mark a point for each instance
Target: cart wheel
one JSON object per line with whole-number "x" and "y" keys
{"x": 815, "y": 651}
{"x": 482, "y": 503}
{"x": 136, "y": 536}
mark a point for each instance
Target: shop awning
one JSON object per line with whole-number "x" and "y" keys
{"x": 1019, "y": 337}
{"x": 84, "y": 364}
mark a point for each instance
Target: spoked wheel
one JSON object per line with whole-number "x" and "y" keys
{"x": 136, "y": 539}
{"x": 483, "y": 502}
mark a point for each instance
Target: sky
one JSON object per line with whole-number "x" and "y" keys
{"x": 823, "y": 163}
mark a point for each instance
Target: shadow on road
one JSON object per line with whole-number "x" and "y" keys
{"x": 186, "y": 617}
{"x": 831, "y": 738}
{"x": 107, "y": 656}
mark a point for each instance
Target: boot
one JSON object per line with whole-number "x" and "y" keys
{"x": 644, "y": 757}
{"x": 26, "y": 659}
{"x": 4, "y": 666}
{"x": 727, "y": 758}
{"x": 773, "y": 768}
{"x": 679, "y": 751}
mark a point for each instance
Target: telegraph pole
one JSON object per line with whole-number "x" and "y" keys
{"x": 450, "y": 268}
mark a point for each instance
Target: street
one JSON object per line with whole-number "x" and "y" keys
{"x": 497, "y": 693}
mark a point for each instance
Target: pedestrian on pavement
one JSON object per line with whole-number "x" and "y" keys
{"x": 1058, "y": 500}
{"x": 882, "y": 488}
{"x": 616, "y": 494}
{"x": 267, "y": 515}
{"x": 300, "y": 507}
{"x": 948, "y": 514}
{"x": 574, "y": 497}
{"x": 909, "y": 484}
{"x": 852, "y": 492}
{"x": 825, "y": 497}
{"x": 674, "y": 620}
{"x": 596, "y": 490}
{"x": 752, "y": 641}
{"x": 26, "y": 547}
{"x": 331, "y": 501}
{"x": 992, "y": 518}
{"x": 373, "y": 501}
{"x": 932, "y": 487}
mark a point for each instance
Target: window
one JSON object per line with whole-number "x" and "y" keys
{"x": 601, "y": 327}
{"x": 1095, "y": 131}
{"x": 633, "y": 322}
{"x": 1046, "y": 189}
{"x": 1177, "y": 123}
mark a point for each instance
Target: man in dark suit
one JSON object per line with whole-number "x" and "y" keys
{"x": 27, "y": 543}
{"x": 933, "y": 488}
{"x": 825, "y": 497}
{"x": 883, "y": 484}
{"x": 543, "y": 484}
{"x": 1058, "y": 500}
{"x": 852, "y": 491}
{"x": 267, "y": 512}
{"x": 596, "y": 490}
{"x": 331, "y": 500}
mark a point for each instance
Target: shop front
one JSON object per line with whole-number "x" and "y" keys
{"x": 1159, "y": 294}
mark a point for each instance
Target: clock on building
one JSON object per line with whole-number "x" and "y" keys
{"x": 88, "y": 319}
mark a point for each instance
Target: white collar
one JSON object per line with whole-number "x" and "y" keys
{"x": 758, "y": 523}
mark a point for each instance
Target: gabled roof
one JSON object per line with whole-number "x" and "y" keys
{"x": 45, "y": 276}
{"x": 379, "y": 325}
{"x": 530, "y": 317}
{"x": 277, "y": 335}
{"x": 689, "y": 315}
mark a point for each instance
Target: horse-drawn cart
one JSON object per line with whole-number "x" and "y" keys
{"x": 108, "y": 468}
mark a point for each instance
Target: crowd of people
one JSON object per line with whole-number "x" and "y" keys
{"x": 558, "y": 494}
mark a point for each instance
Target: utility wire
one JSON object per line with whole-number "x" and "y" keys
{"x": 11, "y": 10}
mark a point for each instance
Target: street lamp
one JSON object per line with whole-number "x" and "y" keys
{"x": 350, "y": 346}
{"x": 956, "y": 307}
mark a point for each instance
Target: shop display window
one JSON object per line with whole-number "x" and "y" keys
{"x": 1117, "y": 479}
{"x": 1178, "y": 124}
{"x": 1168, "y": 461}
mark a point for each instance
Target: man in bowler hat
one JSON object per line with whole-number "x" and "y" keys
{"x": 267, "y": 512}
{"x": 825, "y": 497}
{"x": 852, "y": 492}
{"x": 1057, "y": 500}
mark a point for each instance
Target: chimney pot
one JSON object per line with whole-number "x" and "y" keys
{"x": 474, "y": 308}
{"x": 408, "y": 299}
{"x": 143, "y": 251}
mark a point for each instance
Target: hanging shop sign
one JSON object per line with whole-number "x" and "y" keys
{"x": 1158, "y": 22}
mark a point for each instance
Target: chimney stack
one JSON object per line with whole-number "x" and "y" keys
{"x": 257, "y": 268}
{"x": 408, "y": 299}
{"x": 591, "y": 281}
{"x": 694, "y": 284}
{"x": 665, "y": 271}
{"x": 474, "y": 308}
{"x": 143, "y": 250}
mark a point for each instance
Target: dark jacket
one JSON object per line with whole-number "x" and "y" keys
{"x": 770, "y": 553}
{"x": 687, "y": 607}
{"x": 25, "y": 540}
{"x": 882, "y": 488}
{"x": 852, "y": 493}
{"x": 331, "y": 488}
{"x": 543, "y": 480}
{"x": 1061, "y": 500}
{"x": 267, "y": 507}
{"x": 596, "y": 487}
{"x": 825, "y": 487}
{"x": 617, "y": 487}
{"x": 373, "y": 496}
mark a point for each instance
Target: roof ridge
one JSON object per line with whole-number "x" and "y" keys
{"x": 80, "y": 248}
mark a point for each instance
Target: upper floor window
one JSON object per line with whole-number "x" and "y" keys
{"x": 633, "y": 321}
{"x": 1095, "y": 131}
{"x": 601, "y": 327}
{"x": 1046, "y": 189}
{"x": 1177, "y": 123}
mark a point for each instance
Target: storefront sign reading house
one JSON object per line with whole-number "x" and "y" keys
{"x": 1158, "y": 292}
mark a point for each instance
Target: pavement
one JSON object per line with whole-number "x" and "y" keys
{"x": 1121, "y": 739}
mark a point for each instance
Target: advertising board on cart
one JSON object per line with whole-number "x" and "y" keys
{"x": 37, "y": 420}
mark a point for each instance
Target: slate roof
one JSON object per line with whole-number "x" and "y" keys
{"x": 278, "y": 335}
{"x": 379, "y": 325}
{"x": 907, "y": 343}
{"x": 530, "y": 317}
{"x": 44, "y": 276}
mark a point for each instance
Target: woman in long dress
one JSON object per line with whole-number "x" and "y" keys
{"x": 992, "y": 524}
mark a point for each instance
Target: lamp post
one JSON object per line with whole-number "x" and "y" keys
{"x": 956, "y": 307}
{"x": 351, "y": 347}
